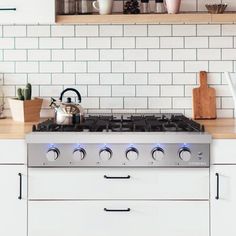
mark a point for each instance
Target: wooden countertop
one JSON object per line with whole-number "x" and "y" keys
{"x": 219, "y": 128}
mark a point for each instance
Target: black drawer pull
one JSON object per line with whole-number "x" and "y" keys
{"x": 217, "y": 186}
{"x": 8, "y": 9}
{"x": 117, "y": 210}
{"x": 117, "y": 177}
{"x": 20, "y": 192}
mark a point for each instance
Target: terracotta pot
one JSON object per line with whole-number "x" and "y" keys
{"x": 25, "y": 111}
{"x": 172, "y": 6}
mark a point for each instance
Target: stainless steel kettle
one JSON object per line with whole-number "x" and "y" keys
{"x": 68, "y": 113}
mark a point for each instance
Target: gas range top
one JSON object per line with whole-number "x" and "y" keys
{"x": 121, "y": 123}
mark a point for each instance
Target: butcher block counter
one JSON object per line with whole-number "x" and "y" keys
{"x": 219, "y": 128}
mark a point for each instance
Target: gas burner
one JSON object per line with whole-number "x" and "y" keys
{"x": 133, "y": 123}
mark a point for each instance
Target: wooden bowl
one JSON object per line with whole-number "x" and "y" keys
{"x": 216, "y": 8}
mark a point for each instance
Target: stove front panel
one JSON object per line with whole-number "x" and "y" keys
{"x": 118, "y": 155}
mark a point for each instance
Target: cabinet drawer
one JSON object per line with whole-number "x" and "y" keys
{"x": 12, "y": 152}
{"x": 102, "y": 183}
{"x": 223, "y": 151}
{"x": 88, "y": 218}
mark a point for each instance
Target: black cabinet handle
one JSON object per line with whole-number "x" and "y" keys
{"x": 217, "y": 186}
{"x": 117, "y": 177}
{"x": 20, "y": 192}
{"x": 117, "y": 210}
{"x": 8, "y": 9}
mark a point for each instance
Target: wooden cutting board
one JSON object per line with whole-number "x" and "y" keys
{"x": 204, "y": 100}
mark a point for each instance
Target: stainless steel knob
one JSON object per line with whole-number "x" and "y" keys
{"x": 185, "y": 154}
{"x": 79, "y": 154}
{"x": 105, "y": 154}
{"x": 158, "y": 154}
{"x": 52, "y": 154}
{"x": 132, "y": 154}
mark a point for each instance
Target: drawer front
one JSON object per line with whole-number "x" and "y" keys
{"x": 118, "y": 183}
{"x": 12, "y": 152}
{"x": 88, "y": 218}
{"x": 223, "y": 151}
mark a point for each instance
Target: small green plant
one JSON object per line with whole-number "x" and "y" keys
{"x": 25, "y": 93}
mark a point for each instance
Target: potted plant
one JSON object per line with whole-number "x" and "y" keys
{"x": 23, "y": 108}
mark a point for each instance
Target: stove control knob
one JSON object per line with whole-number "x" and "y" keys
{"x": 52, "y": 154}
{"x": 105, "y": 154}
{"x": 185, "y": 154}
{"x": 79, "y": 154}
{"x": 158, "y": 154}
{"x": 132, "y": 154}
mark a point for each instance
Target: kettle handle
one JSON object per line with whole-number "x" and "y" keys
{"x": 71, "y": 89}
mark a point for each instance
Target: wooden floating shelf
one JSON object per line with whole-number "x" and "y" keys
{"x": 148, "y": 18}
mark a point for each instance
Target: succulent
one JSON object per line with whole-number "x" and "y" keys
{"x": 25, "y": 93}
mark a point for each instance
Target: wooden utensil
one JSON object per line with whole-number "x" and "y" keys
{"x": 204, "y": 100}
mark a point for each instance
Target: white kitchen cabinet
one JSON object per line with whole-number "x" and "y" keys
{"x": 27, "y": 11}
{"x": 223, "y": 203}
{"x": 137, "y": 183}
{"x": 139, "y": 218}
{"x": 13, "y": 201}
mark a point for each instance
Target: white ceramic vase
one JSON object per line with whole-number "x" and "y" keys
{"x": 172, "y": 6}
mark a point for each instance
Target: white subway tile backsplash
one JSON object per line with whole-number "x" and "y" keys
{"x": 135, "y": 30}
{"x": 127, "y": 42}
{"x": 147, "y": 91}
{"x": 38, "y": 31}
{"x": 50, "y": 43}
{"x": 221, "y": 42}
{"x": 63, "y": 55}
{"x": 14, "y": 31}
{"x": 99, "y": 66}
{"x": 123, "y": 90}
{"x": 87, "y": 79}
{"x": 147, "y": 42}
{"x": 135, "y": 78}
{"x": 73, "y": 43}
{"x": 172, "y": 91}
{"x": 15, "y": 55}
{"x": 39, "y": 55}
{"x": 26, "y": 43}
{"x": 86, "y": 30}
{"x": 159, "y": 30}
{"x": 6, "y": 43}
{"x": 172, "y": 42}
{"x": 111, "y": 30}
{"x": 99, "y": 42}
{"x": 111, "y": 78}
{"x": 27, "y": 67}
{"x": 121, "y": 68}
{"x": 62, "y": 31}
{"x": 74, "y": 67}
{"x": 160, "y": 54}
{"x": 50, "y": 67}
{"x": 135, "y": 54}
{"x": 184, "y": 30}
{"x": 99, "y": 90}
{"x": 196, "y": 42}
{"x": 135, "y": 103}
{"x": 111, "y": 55}
{"x": 208, "y": 30}
{"x": 172, "y": 66}
{"x": 63, "y": 79}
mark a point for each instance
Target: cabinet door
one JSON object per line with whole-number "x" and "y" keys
{"x": 27, "y": 11}
{"x": 223, "y": 206}
{"x": 13, "y": 211}
{"x": 139, "y": 218}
